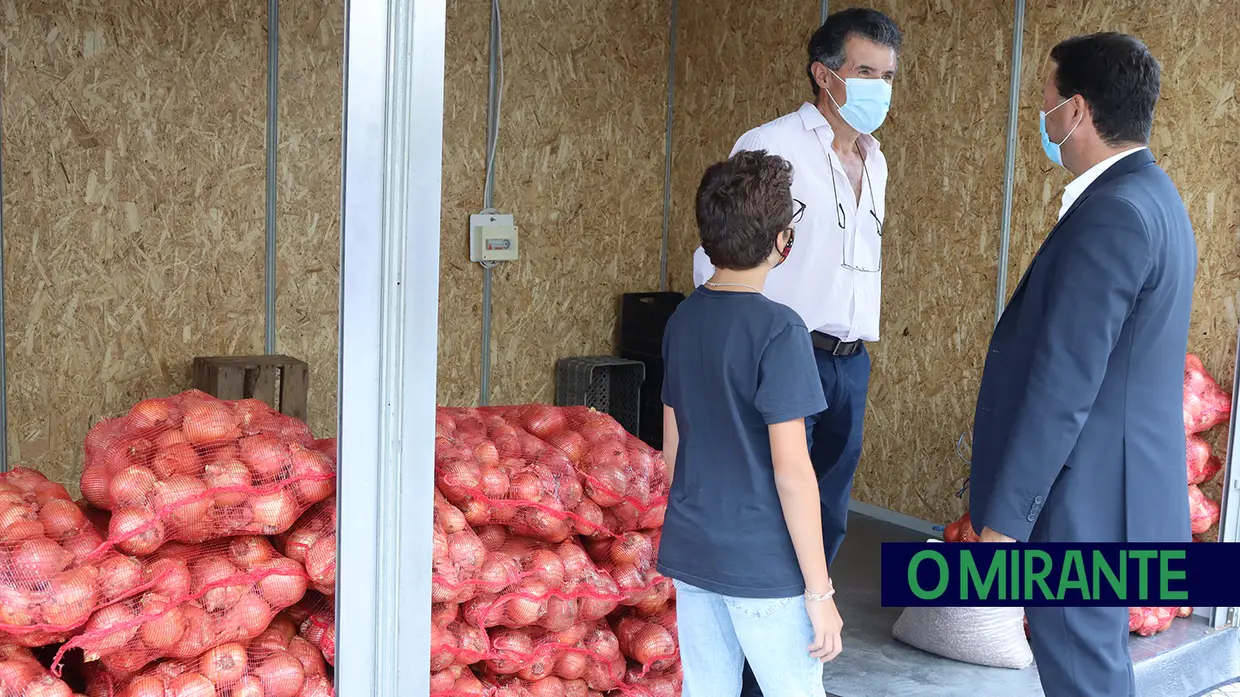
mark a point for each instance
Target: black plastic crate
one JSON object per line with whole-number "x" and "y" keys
{"x": 651, "y": 398}
{"x": 643, "y": 316}
{"x": 606, "y": 383}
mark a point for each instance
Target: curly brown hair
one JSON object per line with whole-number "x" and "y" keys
{"x": 743, "y": 203}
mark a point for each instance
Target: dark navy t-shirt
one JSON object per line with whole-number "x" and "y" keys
{"x": 734, "y": 363}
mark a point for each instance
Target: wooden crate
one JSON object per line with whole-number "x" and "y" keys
{"x": 280, "y": 381}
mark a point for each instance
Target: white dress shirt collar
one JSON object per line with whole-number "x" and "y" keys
{"x": 1077, "y": 186}
{"x": 813, "y": 120}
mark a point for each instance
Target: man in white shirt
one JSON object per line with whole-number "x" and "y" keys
{"x": 833, "y": 279}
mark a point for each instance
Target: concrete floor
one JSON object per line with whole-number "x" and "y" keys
{"x": 1185, "y": 661}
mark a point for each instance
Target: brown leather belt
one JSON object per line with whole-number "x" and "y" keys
{"x": 833, "y": 346}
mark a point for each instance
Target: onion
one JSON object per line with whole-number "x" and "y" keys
{"x": 266, "y": 456}
{"x": 169, "y": 577}
{"x": 492, "y": 536}
{"x": 118, "y": 574}
{"x": 607, "y": 477}
{"x": 476, "y": 511}
{"x": 224, "y": 664}
{"x": 457, "y": 479}
{"x": 494, "y": 482}
{"x": 164, "y": 623}
{"x": 544, "y": 421}
{"x": 450, "y": 518}
{"x": 248, "y": 552}
{"x": 654, "y": 647}
{"x": 275, "y": 512}
{"x": 126, "y": 662}
{"x": 152, "y": 412}
{"x": 182, "y": 501}
{"x": 94, "y": 485}
{"x": 23, "y": 529}
{"x": 464, "y": 549}
{"x": 131, "y": 487}
{"x": 570, "y": 443}
{"x": 178, "y": 458}
{"x": 199, "y": 634}
{"x": 569, "y": 490}
{"x": 106, "y": 630}
{"x": 498, "y": 572}
{"x": 191, "y": 685}
{"x": 38, "y": 559}
{"x": 71, "y": 596}
{"x": 248, "y": 686}
{"x": 284, "y": 583}
{"x": 487, "y": 454}
{"x": 247, "y": 619}
{"x": 512, "y": 650}
{"x": 632, "y": 548}
{"x": 546, "y": 526}
{"x": 144, "y": 686}
{"x": 314, "y": 476}
{"x": 167, "y": 439}
{"x": 528, "y": 603}
{"x": 321, "y": 559}
{"x": 317, "y": 686}
{"x": 525, "y": 486}
{"x": 136, "y": 531}
{"x": 213, "y": 572}
{"x": 209, "y": 422}
{"x": 310, "y": 657}
{"x": 299, "y": 541}
{"x": 47, "y": 686}
{"x": 561, "y": 613}
{"x": 248, "y": 411}
{"x": 277, "y": 635}
{"x": 61, "y": 518}
{"x": 281, "y": 674}
{"x": 578, "y": 688}
{"x": 571, "y": 665}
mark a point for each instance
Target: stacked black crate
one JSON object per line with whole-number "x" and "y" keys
{"x": 643, "y": 317}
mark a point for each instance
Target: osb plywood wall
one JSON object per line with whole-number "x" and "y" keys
{"x": 742, "y": 63}
{"x": 1194, "y": 139}
{"x": 579, "y": 163}
{"x": 133, "y": 203}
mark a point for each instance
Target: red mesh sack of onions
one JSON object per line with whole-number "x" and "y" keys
{"x": 192, "y": 468}
{"x": 228, "y": 670}
{"x": 650, "y": 643}
{"x": 453, "y": 641}
{"x": 315, "y": 617}
{"x": 630, "y": 560}
{"x": 460, "y": 564}
{"x": 961, "y": 530}
{"x": 1202, "y": 465}
{"x": 623, "y": 476}
{"x": 588, "y": 651}
{"x": 1147, "y": 621}
{"x": 666, "y": 683}
{"x": 202, "y": 596}
{"x": 554, "y": 586}
{"x": 1203, "y": 511}
{"x": 21, "y": 675}
{"x": 1206, "y": 405}
{"x": 497, "y": 473}
{"x": 458, "y": 681}
{"x": 54, "y": 566}
{"x": 547, "y": 687}
{"x": 311, "y": 542}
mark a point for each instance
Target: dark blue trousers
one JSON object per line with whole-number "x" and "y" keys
{"x": 1082, "y": 651}
{"x": 835, "y": 448}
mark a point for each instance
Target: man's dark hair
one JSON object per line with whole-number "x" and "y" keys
{"x": 743, "y": 203}
{"x": 1117, "y": 77}
{"x": 826, "y": 46}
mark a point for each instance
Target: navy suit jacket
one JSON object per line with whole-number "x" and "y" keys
{"x": 1079, "y": 429}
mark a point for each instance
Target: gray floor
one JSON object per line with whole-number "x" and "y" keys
{"x": 1184, "y": 661}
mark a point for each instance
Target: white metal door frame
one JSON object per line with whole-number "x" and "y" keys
{"x": 389, "y": 289}
{"x": 1229, "y": 522}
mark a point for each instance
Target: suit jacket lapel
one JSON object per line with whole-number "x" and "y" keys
{"x": 1138, "y": 160}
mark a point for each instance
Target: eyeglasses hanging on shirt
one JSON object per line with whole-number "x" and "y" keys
{"x": 841, "y": 218}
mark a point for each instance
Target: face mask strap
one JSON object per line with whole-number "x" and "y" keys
{"x": 1074, "y": 126}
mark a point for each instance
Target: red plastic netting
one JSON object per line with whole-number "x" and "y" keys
{"x": 548, "y": 472}
{"x": 554, "y": 586}
{"x": 547, "y": 687}
{"x": 667, "y": 683}
{"x": 1147, "y": 621}
{"x": 960, "y": 530}
{"x": 229, "y": 670}
{"x": 453, "y": 641}
{"x": 586, "y": 651}
{"x": 650, "y": 642}
{"x": 630, "y": 560}
{"x": 311, "y": 542}
{"x": 202, "y": 596}
{"x": 315, "y": 617}
{"x": 1203, "y": 511}
{"x": 1202, "y": 464}
{"x": 457, "y": 681}
{"x": 21, "y": 675}
{"x": 193, "y": 468}
{"x": 460, "y": 564}
{"x": 1206, "y": 405}
{"x": 55, "y": 568}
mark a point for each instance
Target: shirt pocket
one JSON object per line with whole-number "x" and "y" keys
{"x": 757, "y": 608}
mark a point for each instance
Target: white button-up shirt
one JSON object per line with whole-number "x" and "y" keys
{"x": 1077, "y": 186}
{"x": 833, "y": 277}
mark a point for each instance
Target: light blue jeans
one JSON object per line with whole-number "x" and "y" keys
{"x": 718, "y": 633}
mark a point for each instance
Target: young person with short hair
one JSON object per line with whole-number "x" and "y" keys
{"x": 743, "y": 536}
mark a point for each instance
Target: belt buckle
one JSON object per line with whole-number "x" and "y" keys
{"x": 838, "y": 350}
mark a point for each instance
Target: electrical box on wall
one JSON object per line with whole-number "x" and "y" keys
{"x": 492, "y": 237}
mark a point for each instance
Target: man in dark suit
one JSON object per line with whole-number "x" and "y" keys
{"x": 1078, "y": 434}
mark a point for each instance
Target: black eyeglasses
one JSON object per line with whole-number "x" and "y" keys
{"x": 841, "y": 219}
{"x": 798, "y": 212}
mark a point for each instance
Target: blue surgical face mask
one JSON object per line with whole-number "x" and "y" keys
{"x": 1050, "y": 148}
{"x": 866, "y": 102}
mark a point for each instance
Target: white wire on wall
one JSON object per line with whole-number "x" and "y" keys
{"x": 495, "y": 102}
